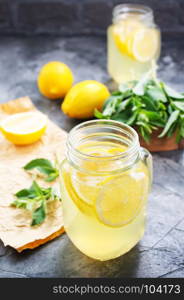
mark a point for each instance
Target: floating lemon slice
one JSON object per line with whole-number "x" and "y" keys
{"x": 81, "y": 204}
{"x": 120, "y": 37}
{"x": 87, "y": 186}
{"x": 24, "y": 128}
{"x": 143, "y": 44}
{"x": 136, "y": 40}
{"x": 122, "y": 32}
{"x": 119, "y": 201}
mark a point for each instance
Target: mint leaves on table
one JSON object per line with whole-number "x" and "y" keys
{"x": 35, "y": 199}
{"x": 148, "y": 105}
{"x": 45, "y": 167}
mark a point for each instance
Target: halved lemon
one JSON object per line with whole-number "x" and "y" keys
{"x": 119, "y": 201}
{"x": 24, "y": 128}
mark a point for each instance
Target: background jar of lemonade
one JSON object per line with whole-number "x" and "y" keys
{"x": 105, "y": 182}
{"x": 133, "y": 42}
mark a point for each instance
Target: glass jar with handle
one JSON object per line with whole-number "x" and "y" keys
{"x": 105, "y": 181}
{"x": 133, "y": 42}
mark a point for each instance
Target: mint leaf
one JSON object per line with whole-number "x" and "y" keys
{"x": 44, "y": 166}
{"x": 179, "y": 105}
{"x": 25, "y": 193}
{"x": 172, "y": 93}
{"x": 51, "y": 177}
{"x": 173, "y": 117}
{"x": 36, "y": 189}
{"x": 98, "y": 114}
{"x": 30, "y": 193}
{"x": 139, "y": 88}
{"x": 111, "y": 104}
{"x": 39, "y": 215}
{"x": 156, "y": 93}
{"x": 39, "y": 162}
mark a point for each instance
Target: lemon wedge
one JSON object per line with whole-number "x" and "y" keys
{"x": 119, "y": 201}
{"x": 24, "y": 128}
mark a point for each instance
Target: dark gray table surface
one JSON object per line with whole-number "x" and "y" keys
{"x": 161, "y": 252}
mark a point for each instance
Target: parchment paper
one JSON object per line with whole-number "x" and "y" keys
{"x": 15, "y": 229}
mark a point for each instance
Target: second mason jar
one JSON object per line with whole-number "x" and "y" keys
{"x": 105, "y": 181}
{"x": 133, "y": 42}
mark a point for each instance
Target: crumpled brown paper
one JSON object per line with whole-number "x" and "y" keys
{"x": 15, "y": 229}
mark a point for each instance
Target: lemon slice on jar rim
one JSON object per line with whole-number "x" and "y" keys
{"x": 24, "y": 128}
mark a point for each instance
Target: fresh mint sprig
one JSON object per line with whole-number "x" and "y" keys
{"x": 35, "y": 199}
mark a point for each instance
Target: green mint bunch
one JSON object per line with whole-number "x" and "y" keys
{"x": 147, "y": 105}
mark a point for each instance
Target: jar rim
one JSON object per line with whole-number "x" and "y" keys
{"x": 132, "y": 148}
{"x": 145, "y": 11}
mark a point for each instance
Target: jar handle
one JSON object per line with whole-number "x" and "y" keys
{"x": 146, "y": 158}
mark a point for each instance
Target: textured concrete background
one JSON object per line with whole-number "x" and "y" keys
{"x": 79, "y": 16}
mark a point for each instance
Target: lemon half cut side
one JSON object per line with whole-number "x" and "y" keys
{"x": 24, "y": 128}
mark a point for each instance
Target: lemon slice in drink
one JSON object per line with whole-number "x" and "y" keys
{"x": 24, "y": 128}
{"x": 85, "y": 184}
{"x": 70, "y": 187}
{"x": 119, "y": 201}
{"x": 120, "y": 37}
{"x": 86, "y": 187}
{"x": 143, "y": 44}
{"x": 122, "y": 32}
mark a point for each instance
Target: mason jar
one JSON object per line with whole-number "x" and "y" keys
{"x": 105, "y": 181}
{"x": 133, "y": 42}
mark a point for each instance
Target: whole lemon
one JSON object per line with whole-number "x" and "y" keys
{"x": 83, "y": 98}
{"x": 54, "y": 80}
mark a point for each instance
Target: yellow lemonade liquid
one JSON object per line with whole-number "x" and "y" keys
{"x": 104, "y": 212}
{"x": 133, "y": 47}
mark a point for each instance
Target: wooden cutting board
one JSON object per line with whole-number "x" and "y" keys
{"x": 161, "y": 144}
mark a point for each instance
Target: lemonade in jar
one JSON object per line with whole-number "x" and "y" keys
{"x": 133, "y": 42}
{"x": 105, "y": 182}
